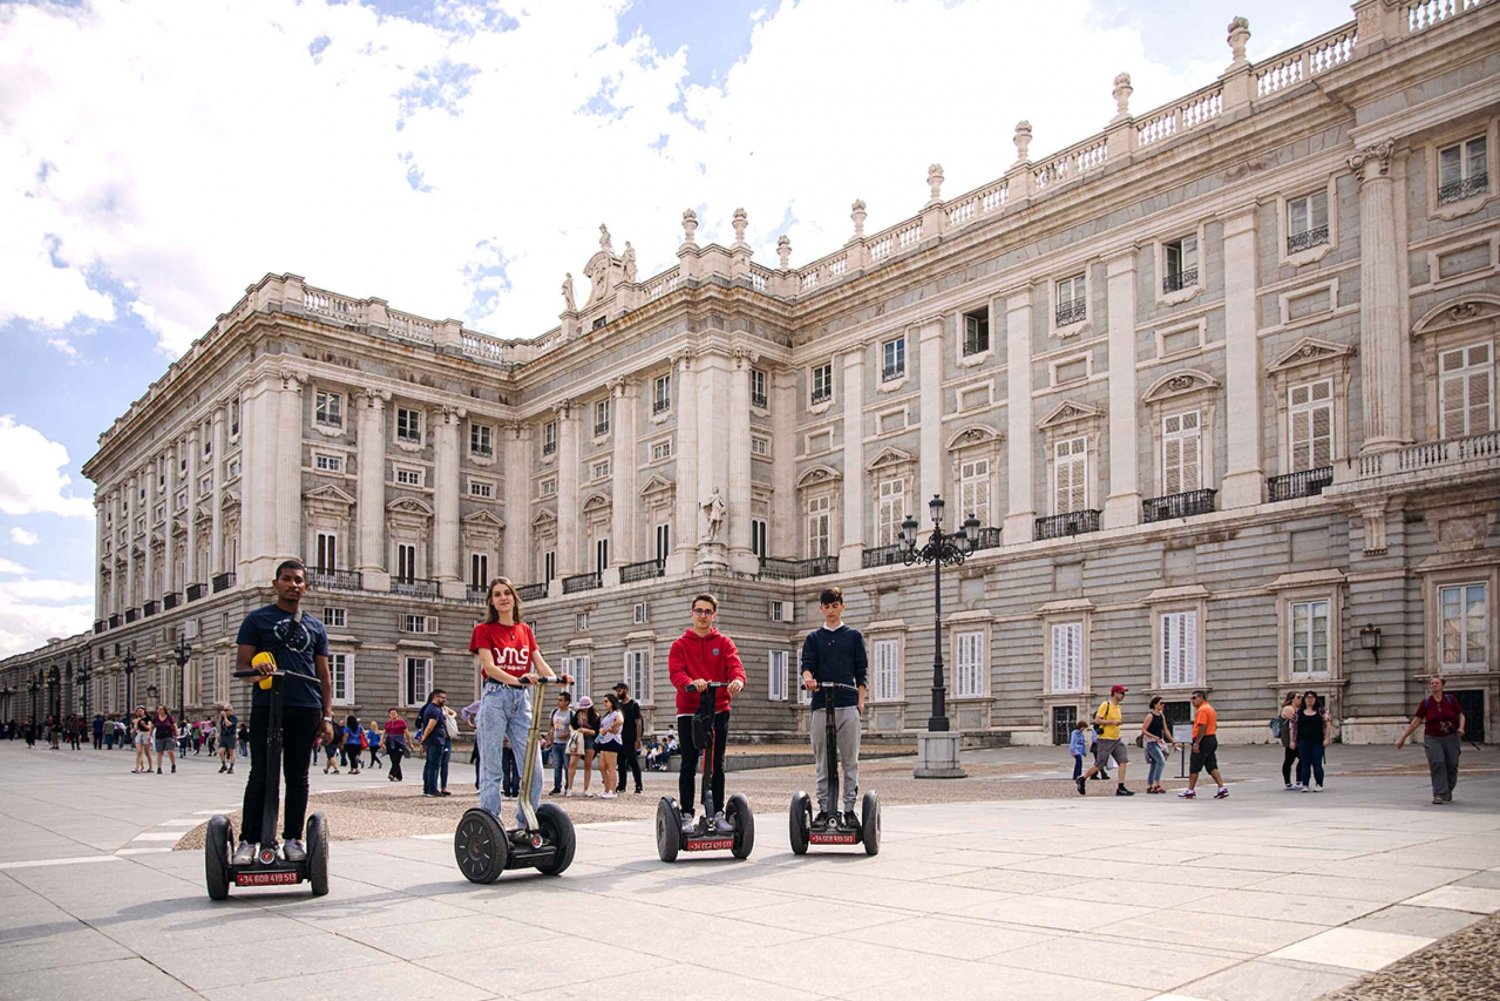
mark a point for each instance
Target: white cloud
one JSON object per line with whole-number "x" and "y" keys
{"x": 184, "y": 148}
{"x": 32, "y": 611}
{"x": 11, "y": 567}
{"x": 22, "y": 537}
{"x": 31, "y": 477}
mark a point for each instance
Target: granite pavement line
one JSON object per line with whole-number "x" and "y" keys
{"x": 1265, "y": 894}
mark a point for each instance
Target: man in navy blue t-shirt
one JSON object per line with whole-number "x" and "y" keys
{"x": 835, "y": 653}
{"x": 300, "y": 645}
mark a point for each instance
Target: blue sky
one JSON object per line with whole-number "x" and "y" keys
{"x": 457, "y": 158}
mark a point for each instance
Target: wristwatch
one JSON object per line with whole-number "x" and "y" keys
{"x": 327, "y": 719}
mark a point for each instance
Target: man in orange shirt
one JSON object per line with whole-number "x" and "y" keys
{"x": 1205, "y": 747}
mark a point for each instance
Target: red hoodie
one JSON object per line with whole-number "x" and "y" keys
{"x": 713, "y": 658}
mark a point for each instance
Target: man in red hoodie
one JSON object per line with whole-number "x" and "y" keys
{"x": 700, "y": 655}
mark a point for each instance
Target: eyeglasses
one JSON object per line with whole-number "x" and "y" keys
{"x": 703, "y": 611}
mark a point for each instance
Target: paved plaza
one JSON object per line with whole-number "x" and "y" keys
{"x": 1266, "y": 894}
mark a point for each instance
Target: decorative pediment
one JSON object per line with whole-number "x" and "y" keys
{"x": 1473, "y": 307}
{"x": 410, "y": 506}
{"x": 818, "y": 475}
{"x": 229, "y": 500}
{"x": 655, "y": 485}
{"x": 1069, "y": 412}
{"x": 329, "y": 495}
{"x": 203, "y": 512}
{"x": 1180, "y": 383}
{"x": 544, "y": 520}
{"x": 973, "y": 436}
{"x": 1309, "y": 351}
{"x": 595, "y": 502}
{"x": 890, "y": 456}
{"x": 483, "y": 520}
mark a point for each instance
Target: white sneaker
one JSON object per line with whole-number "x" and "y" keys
{"x": 1187, "y": 794}
{"x": 294, "y": 851}
{"x": 607, "y": 795}
{"x": 721, "y": 824}
{"x": 1318, "y": 789}
{"x": 1299, "y": 787}
{"x": 1304, "y": 788}
{"x": 244, "y": 854}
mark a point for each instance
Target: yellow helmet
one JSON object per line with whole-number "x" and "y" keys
{"x": 264, "y": 659}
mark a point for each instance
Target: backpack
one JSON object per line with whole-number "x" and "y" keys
{"x": 1276, "y": 724}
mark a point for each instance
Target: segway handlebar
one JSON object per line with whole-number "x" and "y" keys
{"x": 310, "y": 679}
{"x": 832, "y": 684}
{"x": 691, "y": 687}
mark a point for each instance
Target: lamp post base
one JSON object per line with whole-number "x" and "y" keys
{"x": 937, "y": 755}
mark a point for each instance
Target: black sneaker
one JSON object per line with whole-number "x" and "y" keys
{"x": 851, "y": 820}
{"x": 1083, "y": 787}
{"x": 520, "y": 838}
{"x": 821, "y": 821}
{"x": 1122, "y": 791}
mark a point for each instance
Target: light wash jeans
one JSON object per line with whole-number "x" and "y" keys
{"x": 846, "y": 731}
{"x": 559, "y": 763}
{"x": 1156, "y": 763}
{"x": 504, "y": 712}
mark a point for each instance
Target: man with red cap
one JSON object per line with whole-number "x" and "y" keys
{"x": 1107, "y": 723}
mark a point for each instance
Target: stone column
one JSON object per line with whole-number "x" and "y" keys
{"x": 1020, "y": 521}
{"x": 169, "y": 583}
{"x": 1244, "y": 478}
{"x": 1383, "y": 358}
{"x": 153, "y": 495}
{"x": 260, "y": 475}
{"x": 133, "y": 511}
{"x": 446, "y": 487}
{"x": 516, "y": 459}
{"x": 784, "y": 530}
{"x": 934, "y": 457}
{"x": 1122, "y": 505}
{"x": 685, "y": 448}
{"x": 117, "y": 521}
{"x": 570, "y": 537}
{"x": 287, "y": 532}
{"x": 370, "y": 501}
{"x": 101, "y": 604}
{"x": 856, "y": 497}
{"x": 216, "y": 497}
{"x": 190, "y": 568}
{"x": 624, "y": 526}
{"x": 714, "y": 372}
{"x": 742, "y": 558}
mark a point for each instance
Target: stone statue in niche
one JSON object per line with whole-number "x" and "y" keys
{"x": 713, "y": 512}
{"x": 567, "y": 292}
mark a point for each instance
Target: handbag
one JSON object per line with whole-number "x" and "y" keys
{"x": 575, "y": 743}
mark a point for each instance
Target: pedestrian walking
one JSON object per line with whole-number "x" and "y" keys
{"x": 700, "y": 655}
{"x": 1205, "y": 748}
{"x": 562, "y": 729}
{"x": 164, "y": 731}
{"x": 330, "y": 752}
{"x": 1281, "y": 728}
{"x": 581, "y": 743}
{"x": 228, "y": 738}
{"x": 354, "y": 743}
{"x": 1157, "y": 741}
{"x": 627, "y": 757}
{"x": 608, "y": 742}
{"x": 1109, "y": 746}
{"x": 395, "y": 742}
{"x": 834, "y": 653}
{"x": 1312, "y": 733}
{"x": 372, "y": 744}
{"x": 140, "y": 731}
{"x": 1442, "y": 719}
{"x": 1078, "y": 746}
{"x": 98, "y": 729}
{"x": 431, "y": 737}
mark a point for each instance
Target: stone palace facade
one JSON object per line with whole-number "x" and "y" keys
{"x": 1217, "y": 383}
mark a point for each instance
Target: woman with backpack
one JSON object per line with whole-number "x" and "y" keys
{"x": 1312, "y": 732}
{"x": 354, "y": 742}
{"x": 1281, "y": 728}
{"x": 1442, "y": 738}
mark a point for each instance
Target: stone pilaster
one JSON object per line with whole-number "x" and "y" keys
{"x": 370, "y": 489}
{"x": 153, "y": 496}
{"x": 132, "y": 511}
{"x": 190, "y": 568}
{"x": 216, "y": 498}
{"x": 287, "y": 532}
{"x": 516, "y": 458}
{"x": 1020, "y": 521}
{"x": 447, "y": 486}
{"x": 741, "y": 557}
{"x": 685, "y": 448}
{"x": 934, "y": 457}
{"x": 624, "y": 527}
{"x": 1383, "y": 358}
{"x": 785, "y": 523}
{"x": 569, "y": 535}
{"x": 260, "y": 492}
{"x": 116, "y": 592}
{"x": 1122, "y": 505}
{"x": 712, "y": 373}
{"x": 1244, "y": 478}
{"x": 169, "y": 582}
{"x": 856, "y": 499}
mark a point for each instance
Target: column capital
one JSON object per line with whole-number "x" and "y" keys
{"x": 451, "y": 415}
{"x": 292, "y": 378}
{"x": 1373, "y": 161}
{"x": 376, "y": 399}
{"x": 744, "y": 356}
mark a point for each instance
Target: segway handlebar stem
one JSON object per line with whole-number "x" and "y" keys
{"x": 310, "y": 679}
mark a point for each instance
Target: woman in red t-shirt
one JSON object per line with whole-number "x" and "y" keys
{"x": 1443, "y": 722}
{"x": 508, "y": 661}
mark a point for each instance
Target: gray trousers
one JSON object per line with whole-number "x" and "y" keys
{"x": 1442, "y": 760}
{"x": 846, "y": 726}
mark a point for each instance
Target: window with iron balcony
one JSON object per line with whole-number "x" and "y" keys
{"x": 1181, "y": 264}
{"x": 1463, "y": 170}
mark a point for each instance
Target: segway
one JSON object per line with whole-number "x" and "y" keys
{"x": 838, "y": 832}
{"x": 705, "y": 837}
{"x": 485, "y": 849}
{"x": 268, "y": 868}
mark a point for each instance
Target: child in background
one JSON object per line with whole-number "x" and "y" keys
{"x": 1078, "y": 745}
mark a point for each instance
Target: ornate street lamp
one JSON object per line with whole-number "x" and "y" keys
{"x": 937, "y": 749}
{"x": 32, "y": 686}
{"x": 54, "y": 687}
{"x": 129, "y": 682}
{"x": 184, "y": 651}
{"x": 151, "y": 698}
{"x": 85, "y": 675}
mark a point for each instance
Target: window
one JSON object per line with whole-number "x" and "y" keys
{"x": 661, "y": 394}
{"x": 760, "y": 446}
{"x": 777, "y": 689}
{"x": 549, "y": 565}
{"x": 759, "y": 396}
{"x": 1307, "y": 222}
{"x": 661, "y": 450}
{"x": 1180, "y": 447}
{"x": 479, "y": 572}
{"x": 640, "y": 614}
{"x": 601, "y": 554}
{"x": 1466, "y": 386}
{"x": 663, "y": 539}
{"x": 887, "y": 671}
{"x": 822, "y": 384}
{"x": 1070, "y": 474}
{"x": 416, "y": 681}
{"x": 601, "y": 418}
{"x": 581, "y": 622}
{"x": 327, "y": 552}
{"x": 893, "y": 359}
{"x": 578, "y": 667}
{"x": 206, "y": 485}
{"x": 1463, "y": 170}
{"x": 232, "y": 469}
{"x": 976, "y": 332}
{"x": 890, "y": 508}
{"x": 1309, "y": 639}
{"x": 1179, "y": 649}
{"x": 481, "y": 440}
{"x": 600, "y": 470}
{"x": 549, "y": 438}
{"x": 409, "y": 426}
{"x": 341, "y": 666}
{"x": 548, "y": 487}
{"x": 781, "y": 611}
{"x": 338, "y": 618}
{"x": 1464, "y": 633}
{"x": 1180, "y": 260}
{"x": 819, "y": 525}
{"x": 481, "y": 488}
{"x": 419, "y": 624}
{"x": 758, "y": 529}
{"x": 328, "y": 463}
{"x": 406, "y": 476}
{"x": 1310, "y": 425}
{"x": 1072, "y": 300}
{"x": 974, "y": 489}
{"x": 638, "y": 674}
{"x": 328, "y": 408}
{"x": 1067, "y": 657}
{"x": 406, "y": 562}
{"x": 969, "y": 674}
{"x": 234, "y": 418}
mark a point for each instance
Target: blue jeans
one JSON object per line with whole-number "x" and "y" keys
{"x": 430, "y": 766}
{"x": 559, "y": 762}
{"x": 1310, "y": 761}
{"x": 1156, "y": 763}
{"x": 504, "y": 711}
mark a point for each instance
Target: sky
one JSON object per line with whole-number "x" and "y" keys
{"x": 456, "y": 158}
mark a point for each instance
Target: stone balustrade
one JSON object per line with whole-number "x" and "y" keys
{"x": 1301, "y": 64}
{"x": 1430, "y": 454}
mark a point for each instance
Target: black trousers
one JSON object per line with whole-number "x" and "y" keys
{"x": 1288, "y": 758}
{"x": 299, "y": 725}
{"x": 628, "y": 760}
{"x": 686, "y": 778}
{"x": 395, "y": 753}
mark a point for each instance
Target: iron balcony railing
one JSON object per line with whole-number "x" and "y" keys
{"x": 630, "y": 573}
{"x": 170, "y": 601}
{"x": 415, "y": 587}
{"x": 583, "y": 582}
{"x": 1183, "y": 505}
{"x": 1177, "y": 280}
{"x": 1071, "y": 523}
{"x": 758, "y": 400}
{"x": 549, "y": 447}
{"x": 222, "y": 581}
{"x": 151, "y": 607}
{"x": 773, "y": 568}
{"x": 477, "y": 594}
{"x": 100, "y": 625}
{"x": 601, "y": 429}
{"x": 131, "y": 614}
{"x": 196, "y": 591}
{"x": 1306, "y": 240}
{"x": 989, "y": 538}
{"x": 1305, "y": 483}
{"x": 336, "y": 580}
{"x": 114, "y": 620}
{"x": 660, "y": 406}
{"x": 881, "y": 556}
{"x": 1073, "y": 311}
{"x": 532, "y": 592}
{"x": 892, "y": 372}
{"x": 821, "y": 396}
{"x": 1474, "y": 184}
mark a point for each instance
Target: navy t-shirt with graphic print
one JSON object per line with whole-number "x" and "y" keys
{"x": 294, "y": 644}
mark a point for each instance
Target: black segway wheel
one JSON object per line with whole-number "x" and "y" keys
{"x": 317, "y": 854}
{"x": 799, "y": 821}
{"x": 216, "y": 856}
{"x": 869, "y": 822}
{"x": 668, "y": 829}
{"x": 557, "y": 829}
{"x": 479, "y": 845}
{"x": 737, "y": 812}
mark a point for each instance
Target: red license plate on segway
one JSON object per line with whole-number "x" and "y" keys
{"x": 274, "y": 878}
{"x": 709, "y": 845}
{"x": 849, "y": 838}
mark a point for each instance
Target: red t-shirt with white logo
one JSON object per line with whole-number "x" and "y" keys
{"x": 511, "y": 646}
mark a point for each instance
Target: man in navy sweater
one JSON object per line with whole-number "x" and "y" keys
{"x": 835, "y": 653}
